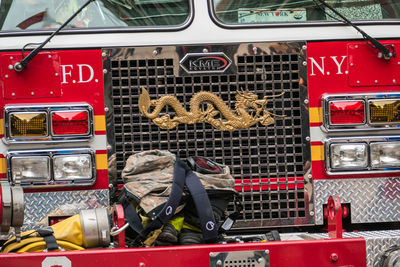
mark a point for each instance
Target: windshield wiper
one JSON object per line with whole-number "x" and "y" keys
{"x": 385, "y": 52}
{"x": 19, "y": 66}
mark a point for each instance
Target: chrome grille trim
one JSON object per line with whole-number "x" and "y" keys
{"x": 257, "y": 155}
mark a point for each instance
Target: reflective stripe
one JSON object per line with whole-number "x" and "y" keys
{"x": 101, "y": 161}
{"x": 99, "y": 123}
{"x": 316, "y": 115}
{"x": 317, "y": 152}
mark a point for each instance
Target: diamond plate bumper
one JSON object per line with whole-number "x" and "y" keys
{"x": 371, "y": 200}
{"x": 38, "y": 206}
{"x": 376, "y": 242}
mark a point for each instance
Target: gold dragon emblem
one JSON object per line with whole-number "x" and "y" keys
{"x": 227, "y": 120}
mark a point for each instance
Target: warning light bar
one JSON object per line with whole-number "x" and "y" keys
{"x": 48, "y": 123}
{"x": 361, "y": 112}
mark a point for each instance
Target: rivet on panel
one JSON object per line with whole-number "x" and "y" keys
{"x": 311, "y": 213}
{"x": 309, "y": 176}
{"x": 219, "y": 263}
{"x": 56, "y": 74}
{"x": 10, "y": 67}
{"x": 306, "y": 101}
{"x": 328, "y": 73}
{"x": 255, "y": 49}
{"x": 356, "y": 46}
{"x": 11, "y": 58}
{"x": 51, "y": 92}
{"x": 32, "y": 93}
{"x": 6, "y": 76}
{"x": 307, "y": 138}
{"x": 351, "y": 64}
{"x": 13, "y": 94}
{"x": 376, "y": 81}
{"x": 394, "y": 81}
{"x": 334, "y": 257}
{"x": 104, "y": 54}
{"x": 304, "y": 63}
{"x": 49, "y": 56}
{"x": 304, "y": 47}
{"x": 155, "y": 52}
{"x": 104, "y": 71}
{"x": 358, "y": 82}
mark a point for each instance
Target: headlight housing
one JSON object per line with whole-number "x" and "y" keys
{"x": 61, "y": 167}
{"x": 349, "y": 156}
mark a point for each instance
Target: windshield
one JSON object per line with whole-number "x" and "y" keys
{"x": 19, "y": 15}
{"x": 274, "y": 11}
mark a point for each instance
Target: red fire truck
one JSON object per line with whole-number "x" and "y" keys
{"x": 305, "y": 112}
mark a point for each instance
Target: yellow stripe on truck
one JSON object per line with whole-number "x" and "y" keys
{"x": 101, "y": 161}
{"x": 315, "y": 115}
{"x": 317, "y": 152}
{"x": 99, "y": 123}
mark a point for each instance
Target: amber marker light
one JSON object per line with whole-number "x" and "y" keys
{"x": 347, "y": 112}
{"x": 28, "y": 124}
{"x": 70, "y": 122}
{"x": 384, "y": 111}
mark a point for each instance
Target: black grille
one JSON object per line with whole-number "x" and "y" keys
{"x": 267, "y": 162}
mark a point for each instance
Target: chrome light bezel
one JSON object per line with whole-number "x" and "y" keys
{"x": 51, "y": 153}
{"x": 48, "y": 109}
{"x": 358, "y": 139}
{"x": 327, "y": 126}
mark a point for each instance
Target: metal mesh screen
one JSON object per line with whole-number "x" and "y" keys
{"x": 266, "y": 161}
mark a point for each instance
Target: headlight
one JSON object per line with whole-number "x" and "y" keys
{"x": 72, "y": 167}
{"x": 385, "y": 155}
{"x": 349, "y": 156}
{"x": 30, "y": 169}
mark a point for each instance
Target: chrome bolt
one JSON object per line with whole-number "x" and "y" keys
{"x": 306, "y": 101}
{"x": 56, "y": 74}
{"x": 155, "y": 52}
{"x": 394, "y": 81}
{"x": 266, "y": 251}
{"x": 6, "y": 76}
{"x": 307, "y": 138}
{"x": 212, "y": 254}
{"x": 109, "y": 147}
{"x": 346, "y": 72}
{"x": 49, "y": 56}
{"x": 104, "y": 71}
{"x": 11, "y": 58}
{"x": 32, "y": 93}
{"x": 255, "y": 49}
{"x": 51, "y": 92}
{"x": 106, "y": 109}
{"x": 219, "y": 263}
{"x": 358, "y": 82}
{"x": 104, "y": 54}
{"x": 356, "y": 46}
{"x": 327, "y": 73}
{"x": 205, "y": 50}
{"x": 304, "y": 63}
{"x": 10, "y": 67}
{"x": 259, "y": 260}
{"x": 304, "y": 47}
{"x": 13, "y": 94}
{"x": 334, "y": 257}
{"x": 309, "y": 175}
{"x": 351, "y": 64}
{"x": 110, "y": 186}
{"x": 142, "y": 264}
{"x": 376, "y": 81}
{"x": 311, "y": 213}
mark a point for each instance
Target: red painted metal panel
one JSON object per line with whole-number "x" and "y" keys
{"x": 366, "y": 69}
{"x": 41, "y": 79}
{"x": 80, "y": 78}
{"x": 310, "y": 253}
{"x": 330, "y": 72}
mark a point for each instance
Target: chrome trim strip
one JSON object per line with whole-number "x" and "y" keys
{"x": 51, "y": 153}
{"x": 358, "y": 139}
{"x": 48, "y": 109}
{"x": 367, "y": 126}
{"x": 182, "y": 26}
{"x": 222, "y": 24}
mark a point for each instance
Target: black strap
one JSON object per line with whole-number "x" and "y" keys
{"x": 49, "y": 238}
{"x": 166, "y": 212}
{"x": 203, "y": 207}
